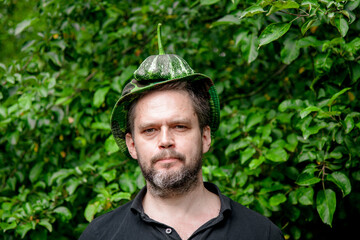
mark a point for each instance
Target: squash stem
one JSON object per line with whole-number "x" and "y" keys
{"x": 161, "y": 49}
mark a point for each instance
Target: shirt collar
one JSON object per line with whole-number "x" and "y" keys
{"x": 225, "y": 208}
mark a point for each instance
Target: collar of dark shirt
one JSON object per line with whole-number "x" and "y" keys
{"x": 225, "y": 208}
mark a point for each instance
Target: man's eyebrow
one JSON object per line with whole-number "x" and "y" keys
{"x": 180, "y": 121}
{"x": 185, "y": 121}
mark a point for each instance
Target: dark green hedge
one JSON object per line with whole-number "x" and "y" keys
{"x": 288, "y": 77}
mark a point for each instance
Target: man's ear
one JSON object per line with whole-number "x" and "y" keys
{"x": 131, "y": 145}
{"x": 206, "y": 138}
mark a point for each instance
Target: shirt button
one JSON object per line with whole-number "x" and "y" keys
{"x": 168, "y": 230}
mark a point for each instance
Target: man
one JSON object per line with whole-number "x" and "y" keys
{"x": 165, "y": 122}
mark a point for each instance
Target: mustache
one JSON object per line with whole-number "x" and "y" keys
{"x": 168, "y": 153}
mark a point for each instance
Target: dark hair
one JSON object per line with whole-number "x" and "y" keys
{"x": 198, "y": 93}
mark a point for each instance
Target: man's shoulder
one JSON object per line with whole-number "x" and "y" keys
{"x": 252, "y": 222}
{"x": 118, "y": 213}
{"x": 241, "y": 212}
{"x": 106, "y": 225}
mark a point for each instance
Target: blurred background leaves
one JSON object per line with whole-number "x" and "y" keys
{"x": 287, "y": 73}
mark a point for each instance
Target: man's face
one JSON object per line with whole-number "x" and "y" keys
{"x": 167, "y": 141}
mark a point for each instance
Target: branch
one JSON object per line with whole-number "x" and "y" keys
{"x": 278, "y": 72}
{"x": 294, "y": 14}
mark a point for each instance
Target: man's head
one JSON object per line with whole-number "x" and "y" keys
{"x": 168, "y": 133}
{"x": 164, "y": 119}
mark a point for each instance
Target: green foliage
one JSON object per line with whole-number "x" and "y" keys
{"x": 288, "y": 77}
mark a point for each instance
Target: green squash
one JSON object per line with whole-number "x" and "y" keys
{"x": 163, "y": 66}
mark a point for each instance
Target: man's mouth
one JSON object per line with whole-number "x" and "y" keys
{"x": 167, "y": 160}
{"x": 168, "y": 157}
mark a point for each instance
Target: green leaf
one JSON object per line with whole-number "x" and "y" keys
{"x": 256, "y": 162}
{"x": 280, "y": 5}
{"x": 336, "y": 95}
{"x": 264, "y": 3}
{"x": 277, "y": 199}
{"x": 72, "y": 184}
{"x": 333, "y": 43}
{"x": 308, "y": 131}
{"x": 309, "y": 110}
{"x": 352, "y": 5}
{"x": 290, "y": 51}
{"x": 36, "y": 171}
{"x": 99, "y": 96}
{"x": 22, "y": 26}
{"x": 305, "y": 195}
{"x": 46, "y": 223}
{"x": 273, "y": 32}
{"x": 355, "y": 72}
{"x": 290, "y": 104}
{"x": 100, "y": 125}
{"x": 64, "y": 213}
{"x": 28, "y": 209}
{"x": 326, "y": 205}
{"x": 342, "y": 25}
{"x": 228, "y": 19}
{"x": 349, "y": 123}
{"x": 54, "y": 59}
{"x": 22, "y": 229}
{"x": 90, "y": 211}
{"x": 277, "y": 155}
{"x": 110, "y": 145}
{"x": 7, "y": 226}
{"x": 127, "y": 182}
{"x": 120, "y": 196}
{"x": 352, "y": 46}
{"x": 251, "y": 52}
{"x": 60, "y": 175}
{"x": 208, "y": 2}
{"x": 25, "y": 101}
{"x": 323, "y": 63}
{"x": 247, "y": 154}
{"x": 292, "y": 142}
{"x": 109, "y": 175}
{"x": 342, "y": 181}
{"x": 251, "y": 11}
{"x": 310, "y": 3}
{"x": 309, "y": 41}
{"x": 307, "y": 178}
{"x": 236, "y": 146}
{"x": 253, "y": 119}
{"x": 307, "y": 25}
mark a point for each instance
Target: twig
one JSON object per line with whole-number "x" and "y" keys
{"x": 27, "y": 63}
{"x": 90, "y": 76}
{"x": 294, "y": 14}
{"x": 278, "y": 72}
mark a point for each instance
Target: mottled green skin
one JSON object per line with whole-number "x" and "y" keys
{"x": 162, "y": 67}
{"x": 154, "y": 71}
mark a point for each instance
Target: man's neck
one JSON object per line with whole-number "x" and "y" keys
{"x": 179, "y": 201}
{"x": 186, "y": 212}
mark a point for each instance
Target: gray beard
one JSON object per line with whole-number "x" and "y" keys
{"x": 166, "y": 184}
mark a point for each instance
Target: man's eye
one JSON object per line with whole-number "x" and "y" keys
{"x": 149, "y": 130}
{"x": 180, "y": 127}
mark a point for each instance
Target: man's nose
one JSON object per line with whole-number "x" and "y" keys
{"x": 166, "y": 139}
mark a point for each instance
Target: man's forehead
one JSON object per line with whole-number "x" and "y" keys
{"x": 170, "y": 103}
{"x": 178, "y": 98}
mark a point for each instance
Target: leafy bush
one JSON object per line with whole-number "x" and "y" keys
{"x": 288, "y": 77}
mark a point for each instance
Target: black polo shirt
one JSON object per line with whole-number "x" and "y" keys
{"x": 233, "y": 222}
